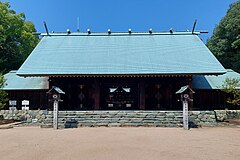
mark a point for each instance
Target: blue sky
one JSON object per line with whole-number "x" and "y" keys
{"x": 119, "y": 15}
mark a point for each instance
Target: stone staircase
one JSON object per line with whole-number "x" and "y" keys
{"x": 74, "y": 119}
{"x": 69, "y": 119}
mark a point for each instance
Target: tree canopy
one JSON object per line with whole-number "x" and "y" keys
{"x": 225, "y": 41}
{"x": 3, "y": 94}
{"x": 232, "y": 87}
{"x": 16, "y": 38}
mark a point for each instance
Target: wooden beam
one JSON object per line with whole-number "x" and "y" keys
{"x": 142, "y": 94}
{"x": 189, "y": 82}
{"x": 96, "y": 94}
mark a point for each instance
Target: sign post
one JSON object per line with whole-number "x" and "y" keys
{"x": 185, "y": 114}
{"x": 55, "y": 114}
{"x": 185, "y": 98}
{"x": 13, "y": 104}
{"x": 25, "y": 105}
{"x": 55, "y": 98}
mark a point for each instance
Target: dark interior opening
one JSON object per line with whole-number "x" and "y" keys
{"x": 119, "y": 93}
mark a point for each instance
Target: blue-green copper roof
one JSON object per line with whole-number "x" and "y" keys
{"x": 213, "y": 82}
{"x": 14, "y": 82}
{"x": 120, "y": 54}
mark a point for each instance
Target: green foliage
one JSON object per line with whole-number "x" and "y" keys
{"x": 232, "y": 87}
{"x": 3, "y": 94}
{"x": 225, "y": 41}
{"x": 16, "y": 39}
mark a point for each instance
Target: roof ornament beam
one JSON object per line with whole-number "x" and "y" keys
{"x": 194, "y": 25}
{"x": 45, "y": 25}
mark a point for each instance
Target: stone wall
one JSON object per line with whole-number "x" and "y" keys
{"x": 202, "y": 118}
{"x": 121, "y": 118}
{"x": 221, "y": 115}
{"x": 29, "y": 116}
{"x": 124, "y": 118}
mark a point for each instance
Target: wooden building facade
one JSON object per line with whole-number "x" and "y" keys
{"x": 124, "y": 93}
{"x": 209, "y": 94}
{"x": 120, "y": 71}
{"x": 32, "y": 89}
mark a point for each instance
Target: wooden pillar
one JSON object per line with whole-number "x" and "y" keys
{"x": 142, "y": 94}
{"x": 189, "y": 82}
{"x": 96, "y": 94}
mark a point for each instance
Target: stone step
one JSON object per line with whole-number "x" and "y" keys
{"x": 46, "y": 125}
{"x": 114, "y": 124}
{"x": 116, "y": 119}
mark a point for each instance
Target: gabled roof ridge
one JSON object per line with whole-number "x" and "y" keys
{"x": 119, "y": 33}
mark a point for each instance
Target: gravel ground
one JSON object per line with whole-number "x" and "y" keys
{"x": 33, "y": 143}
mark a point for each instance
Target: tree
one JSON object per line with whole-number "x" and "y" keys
{"x": 16, "y": 38}
{"x": 3, "y": 94}
{"x": 225, "y": 41}
{"x": 232, "y": 87}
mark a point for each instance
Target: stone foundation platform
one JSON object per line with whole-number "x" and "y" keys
{"x": 120, "y": 118}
